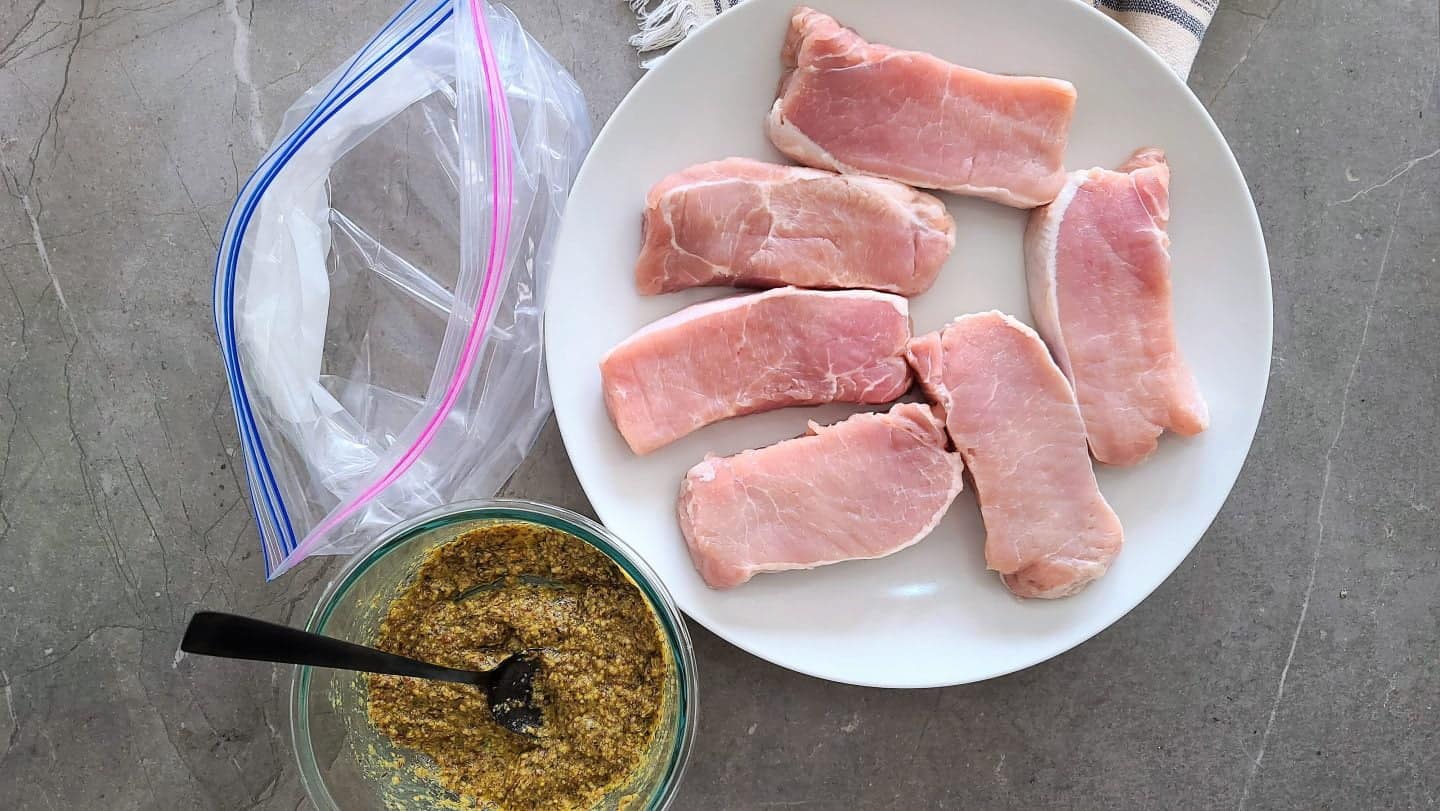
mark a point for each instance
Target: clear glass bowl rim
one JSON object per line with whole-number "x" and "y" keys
{"x": 522, "y": 510}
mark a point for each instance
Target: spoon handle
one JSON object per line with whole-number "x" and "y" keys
{"x": 212, "y": 633}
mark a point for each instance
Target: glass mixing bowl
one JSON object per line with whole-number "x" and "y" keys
{"x": 345, "y": 763}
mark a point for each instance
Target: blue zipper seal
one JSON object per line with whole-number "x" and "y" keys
{"x": 262, "y": 481}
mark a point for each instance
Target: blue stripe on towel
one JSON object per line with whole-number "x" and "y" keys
{"x": 1158, "y": 8}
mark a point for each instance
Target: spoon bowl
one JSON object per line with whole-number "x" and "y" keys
{"x": 511, "y": 694}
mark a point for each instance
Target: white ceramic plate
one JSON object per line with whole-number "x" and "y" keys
{"x": 930, "y": 615}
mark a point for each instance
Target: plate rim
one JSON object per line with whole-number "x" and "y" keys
{"x": 736, "y": 16}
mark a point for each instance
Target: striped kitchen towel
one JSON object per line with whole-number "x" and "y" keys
{"x": 1172, "y": 28}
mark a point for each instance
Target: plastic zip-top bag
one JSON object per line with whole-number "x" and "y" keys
{"x": 379, "y": 286}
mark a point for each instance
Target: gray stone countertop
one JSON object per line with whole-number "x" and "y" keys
{"x": 1290, "y": 662}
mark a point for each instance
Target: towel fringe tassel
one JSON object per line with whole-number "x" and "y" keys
{"x": 664, "y": 25}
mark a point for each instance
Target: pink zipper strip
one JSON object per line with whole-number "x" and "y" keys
{"x": 501, "y": 171}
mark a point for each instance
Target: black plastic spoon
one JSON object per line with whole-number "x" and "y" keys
{"x": 509, "y": 687}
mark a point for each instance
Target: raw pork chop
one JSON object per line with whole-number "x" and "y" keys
{"x": 863, "y": 488}
{"x": 1098, "y": 264}
{"x": 851, "y": 106}
{"x": 752, "y": 353}
{"x": 751, "y": 224}
{"x": 1013, "y": 417}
